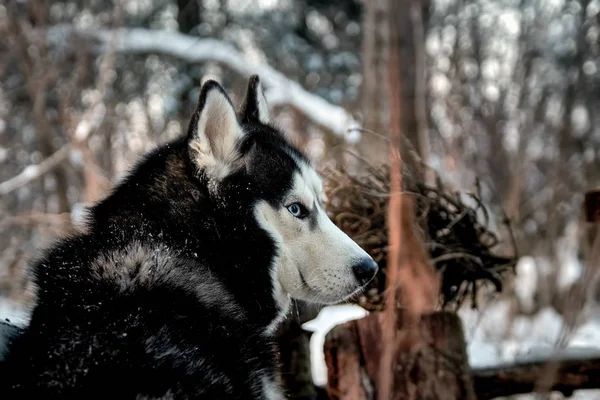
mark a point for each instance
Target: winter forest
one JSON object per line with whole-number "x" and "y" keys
{"x": 476, "y": 120}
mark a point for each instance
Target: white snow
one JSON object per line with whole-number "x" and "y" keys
{"x": 194, "y": 50}
{"x": 570, "y": 268}
{"x": 325, "y": 321}
{"x": 526, "y": 285}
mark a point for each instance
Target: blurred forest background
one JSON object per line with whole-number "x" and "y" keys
{"x": 499, "y": 94}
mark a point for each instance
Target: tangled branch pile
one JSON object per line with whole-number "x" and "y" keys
{"x": 458, "y": 240}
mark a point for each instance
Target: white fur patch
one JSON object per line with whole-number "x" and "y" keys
{"x": 312, "y": 264}
{"x": 270, "y": 390}
{"x": 283, "y": 302}
{"x": 311, "y": 178}
{"x": 281, "y": 297}
{"x": 141, "y": 266}
{"x": 166, "y": 396}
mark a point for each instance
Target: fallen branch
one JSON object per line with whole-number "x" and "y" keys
{"x": 87, "y": 125}
{"x": 279, "y": 89}
{"x": 566, "y": 375}
{"x": 32, "y": 172}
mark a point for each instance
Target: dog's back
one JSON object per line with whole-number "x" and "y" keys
{"x": 117, "y": 327}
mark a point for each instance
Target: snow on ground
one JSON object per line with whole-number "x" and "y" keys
{"x": 492, "y": 339}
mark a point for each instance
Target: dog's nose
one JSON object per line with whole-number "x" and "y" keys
{"x": 365, "y": 270}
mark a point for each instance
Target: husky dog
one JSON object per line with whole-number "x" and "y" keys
{"x": 186, "y": 270}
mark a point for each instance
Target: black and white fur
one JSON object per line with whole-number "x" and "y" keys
{"x": 186, "y": 268}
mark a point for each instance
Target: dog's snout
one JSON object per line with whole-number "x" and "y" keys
{"x": 365, "y": 270}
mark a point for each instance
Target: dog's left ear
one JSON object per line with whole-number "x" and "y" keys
{"x": 255, "y": 104}
{"x": 214, "y": 133}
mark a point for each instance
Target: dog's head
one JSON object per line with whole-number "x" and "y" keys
{"x": 315, "y": 260}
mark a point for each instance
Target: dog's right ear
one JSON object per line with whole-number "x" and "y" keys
{"x": 214, "y": 133}
{"x": 255, "y": 104}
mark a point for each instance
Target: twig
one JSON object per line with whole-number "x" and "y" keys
{"x": 32, "y": 172}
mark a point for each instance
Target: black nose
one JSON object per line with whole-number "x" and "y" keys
{"x": 365, "y": 270}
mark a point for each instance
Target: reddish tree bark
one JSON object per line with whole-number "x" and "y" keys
{"x": 438, "y": 370}
{"x": 410, "y": 279}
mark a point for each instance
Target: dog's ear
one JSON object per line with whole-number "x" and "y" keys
{"x": 214, "y": 132}
{"x": 255, "y": 104}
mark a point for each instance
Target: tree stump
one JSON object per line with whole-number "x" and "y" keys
{"x": 438, "y": 369}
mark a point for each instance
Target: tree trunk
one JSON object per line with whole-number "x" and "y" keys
{"x": 188, "y": 15}
{"x": 438, "y": 369}
{"x": 411, "y": 281}
{"x": 37, "y": 77}
{"x": 374, "y": 143}
{"x": 394, "y": 29}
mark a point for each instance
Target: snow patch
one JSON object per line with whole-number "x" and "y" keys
{"x": 526, "y": 285}
{"x": 328, "y": 318}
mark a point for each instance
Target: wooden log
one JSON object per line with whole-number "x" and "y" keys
{"x": 345, "y": 373}
{"x": 442, "y": 366}
{"x": 567, "y": 375}
{"x": 438, "y": 369}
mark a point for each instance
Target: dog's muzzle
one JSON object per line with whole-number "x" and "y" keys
{"x": 365, "y": 270}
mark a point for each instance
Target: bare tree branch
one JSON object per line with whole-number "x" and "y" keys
{"x": 32, "y": 172}
{"x": 86, "y": 126}
{"x": 280, "y": 90}
{"x": 38, "y": 77}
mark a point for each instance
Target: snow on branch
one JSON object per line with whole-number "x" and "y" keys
{"x": 33, "y": 172}
{"x": 90, "y": 122}
{"x": 279, "y": 89}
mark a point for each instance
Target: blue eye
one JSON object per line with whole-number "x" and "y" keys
{"x": 297, "y": 210}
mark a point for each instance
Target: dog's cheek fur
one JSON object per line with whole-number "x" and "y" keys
{"x": 303, "y": 251}
{"x": 314, "y": 259}
{"x": 281, "y": 273}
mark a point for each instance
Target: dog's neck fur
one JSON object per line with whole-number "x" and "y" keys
{"x": 221, "y": 234}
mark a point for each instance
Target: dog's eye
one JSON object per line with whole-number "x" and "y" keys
{"x": 297, "y": 210}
